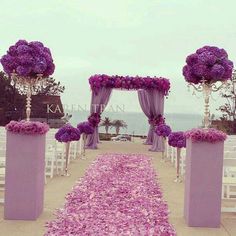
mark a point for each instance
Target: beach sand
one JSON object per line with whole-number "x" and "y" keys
{"x": 59, "y": 186}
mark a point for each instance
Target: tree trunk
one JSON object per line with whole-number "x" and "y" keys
{"x": 117, "y": 130}
{"x": 106, "y": 128}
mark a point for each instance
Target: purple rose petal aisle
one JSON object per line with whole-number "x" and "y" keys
{"x": 119, "y": 195}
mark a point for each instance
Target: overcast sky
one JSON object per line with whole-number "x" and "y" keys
{"x": 125, "y": 37}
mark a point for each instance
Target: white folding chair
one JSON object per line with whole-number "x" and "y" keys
{"x": 50, "y": 160}
{"x": 2, "y": 157}
{"x": 229, "y": 194}
{"x": 2, "y": 184}
{"x": 60, "y": 152}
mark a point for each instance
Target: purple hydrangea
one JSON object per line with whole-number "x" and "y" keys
{"x": 177, "y": 139}
{"x": 67, "y": 133}
{"x": 209, "y": 63}
{"x": 129, "y": 82}
{"x": 85, "y": 127}
{"x": 163, "y": 130}
{"x": 28, "y": 59}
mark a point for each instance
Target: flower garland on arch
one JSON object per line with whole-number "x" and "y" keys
{"x": 129, "y": 82}
{"x": 157, "y": 120}
{"x": 94, "y": 119}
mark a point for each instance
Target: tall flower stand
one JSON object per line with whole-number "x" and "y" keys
{"x": 203, "y": 183}
{"x": 164, "y": 154}
{"x": 67, "y": 152}
{"x": 178, "y": 179}
{"x": 24, "y": 181}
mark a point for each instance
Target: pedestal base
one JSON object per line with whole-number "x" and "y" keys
{"x": 203, "y": 184}
{"x": 24, "y": 181}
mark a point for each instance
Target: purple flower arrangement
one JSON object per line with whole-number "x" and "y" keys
{"x": 129, "y": 82}
{"x": 28, "y": 59}
{"x": 208, "y": 63}
{"x": 155, "y": 121}
{"x": 27, "y": 127}
{"x": 94, "y": 119}
{"x": 67, "y": 133}
{"x": 118, "y": 195}
{"x": 85, "y": 127}
{"x": 163, "y": 130}
{"x": 206, "y": 135}
{"x": 177, "y": 139}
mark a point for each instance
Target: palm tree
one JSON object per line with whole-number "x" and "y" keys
{"x": 117, "y": 124}
{"x": 106, "y": 123}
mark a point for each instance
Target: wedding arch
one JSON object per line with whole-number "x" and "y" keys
{"x": 151, "y": 93}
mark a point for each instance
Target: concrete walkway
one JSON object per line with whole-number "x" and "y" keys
{"x": 59, "y": 186}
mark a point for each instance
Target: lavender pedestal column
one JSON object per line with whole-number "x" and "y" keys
{"x": 24, "y": 181}
{"x": 203, "y": 184}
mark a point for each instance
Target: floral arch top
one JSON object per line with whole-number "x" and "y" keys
{"x": 129, "y": 82}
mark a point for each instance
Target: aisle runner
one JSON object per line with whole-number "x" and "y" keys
{"x": 119, "y": 195}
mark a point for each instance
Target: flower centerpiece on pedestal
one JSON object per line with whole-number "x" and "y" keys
{"x": 28, "y": 64}
{"x": 177, "y": 140}
{"x": 207, "y": 70}
{"x": 67, "y": 134}
{"x": 25, "y": 166}
{"x": 204, "y": 68}
{"x": 163, "y": 131}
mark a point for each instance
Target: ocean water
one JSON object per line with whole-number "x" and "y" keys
{"x": 138, "y": 123}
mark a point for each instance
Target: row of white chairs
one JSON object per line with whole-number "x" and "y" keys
{"x": 54, "y": 156}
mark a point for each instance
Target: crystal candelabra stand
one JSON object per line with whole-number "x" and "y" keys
{"x": 27, "y": 86}
{"x": 207, "y": 89}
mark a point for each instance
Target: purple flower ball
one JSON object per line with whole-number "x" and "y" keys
{"x": 85, "y": 127}
{"x": 177, "y": 139}
{"x": 67, "y": 133}
{"x": 28, "y": 59}
{"x": 163, "y": 130}
{"x": 208, "y": 63}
